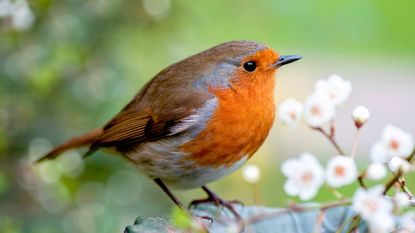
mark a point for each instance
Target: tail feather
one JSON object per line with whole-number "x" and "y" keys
{"x": 80, "y": 141}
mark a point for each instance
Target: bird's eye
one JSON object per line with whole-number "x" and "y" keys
{"x": 250, "y": 66}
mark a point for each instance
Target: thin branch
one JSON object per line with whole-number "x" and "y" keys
{"x": 295, "y": 208}
{"x": 392, "y": 181}
{"x": 355, "y": 223}
{"x": 402, "y": 185}
{"x": 335, "y": 192}
{"x": 319, "y": 222}
{"x": 398, "y": 174}
{"x": 361, "y": 180}
{"x": 330, "y": 138}
{"x": 404, "y": 188}
{"x": 344, "y": 224}
{"x": 332, "y": 129}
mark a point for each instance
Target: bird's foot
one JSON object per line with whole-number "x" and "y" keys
{"x": 213, "y": 198}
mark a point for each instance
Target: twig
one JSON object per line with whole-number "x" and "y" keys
{"x": 355, "y": 223}
{"x": 295, "y": 208}
{"x": 319, "y": 222}
{"x": 404, "y": 188}
{"x": 344, "y": 224}
{"x": 330, "y": 137}
{"x": 361, "y": 180}
{"x": 398, "y": 174}
{"x": 332, "y": 129}
{"x": 335, "y": 193}
{"x": 392, "y": 181}
{"x": 402, "y": 185}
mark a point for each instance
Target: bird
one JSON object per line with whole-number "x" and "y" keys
{"x": 196, "y": 121}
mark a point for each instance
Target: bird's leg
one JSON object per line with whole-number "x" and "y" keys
{"x": 169, "y": 193}
{"x": 174, "y": 198}
{"x": 212, "y": 197}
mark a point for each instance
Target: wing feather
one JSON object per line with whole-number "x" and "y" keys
{"x": 165, "y": 107}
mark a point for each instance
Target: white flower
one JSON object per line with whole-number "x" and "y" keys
{"x": 373, "y": 207}
{"x": 402, "y": 199}
{"x": 340, "y": 171}
{"x": 22, "y": 16}
{"x": 378, "y": 153}
{"x": 397, "y": 142}
{"x": 360, "y": 116}
{"x": 318, "y": 110}
{"x": 251, "y": 174}
{"x": 394, "y": 142}
{"x": 383, "y": 223}
{"x": 304, "y": 175}
{"x": 396, "y": 164}
{"x": 407, "y": 223}
{"x": 334, "y": 88}
{"x": 6, "y": 8}
{"x": 290, "y": 112}
{"x": 376, "y": 171}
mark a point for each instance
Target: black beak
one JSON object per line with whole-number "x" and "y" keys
{"x": 284, "y": 60}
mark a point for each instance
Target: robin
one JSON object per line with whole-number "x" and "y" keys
{"x": 197, "y": 120}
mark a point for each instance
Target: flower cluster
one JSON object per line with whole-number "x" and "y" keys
{"x": 17, "y": 13}
{"x": 394, "y": 143}
{"x": 305, "y": 175}
{"x": 320, "y": 107}
{"x": 375, "y": 208}
{"x": 393, "y": 153}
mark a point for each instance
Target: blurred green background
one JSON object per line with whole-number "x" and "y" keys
{"x": 68, "y": 66}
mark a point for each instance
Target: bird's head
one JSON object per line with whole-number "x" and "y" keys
{"x": 237, "y": 62}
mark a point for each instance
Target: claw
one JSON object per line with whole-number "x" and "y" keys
{"x": 237, "y": 202}
{"x": 210, "y": 219}
{"x": 213, "y": 198}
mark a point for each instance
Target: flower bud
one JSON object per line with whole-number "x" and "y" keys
{"x": 251, "y": 174}
{"x": 396, "y": 164}
{"x": 376, "y": 171}
{"x": 360, "y": 116}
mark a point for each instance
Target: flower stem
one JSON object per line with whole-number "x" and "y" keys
{"x": 336, "y": 193}
{"x": 355, "y": 143}
{"x": 256, "y": 195}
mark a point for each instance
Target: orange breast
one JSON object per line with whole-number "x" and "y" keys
{"x": 240, "y": 124}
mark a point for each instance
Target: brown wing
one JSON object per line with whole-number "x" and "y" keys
{"x": 135, "y": 124}
{"x": 163, "y": 102}
{"x": 131, "y": 127}
{"x": 128, "y": 125}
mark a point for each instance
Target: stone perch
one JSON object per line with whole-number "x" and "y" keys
{"x": 289, "y": 221}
